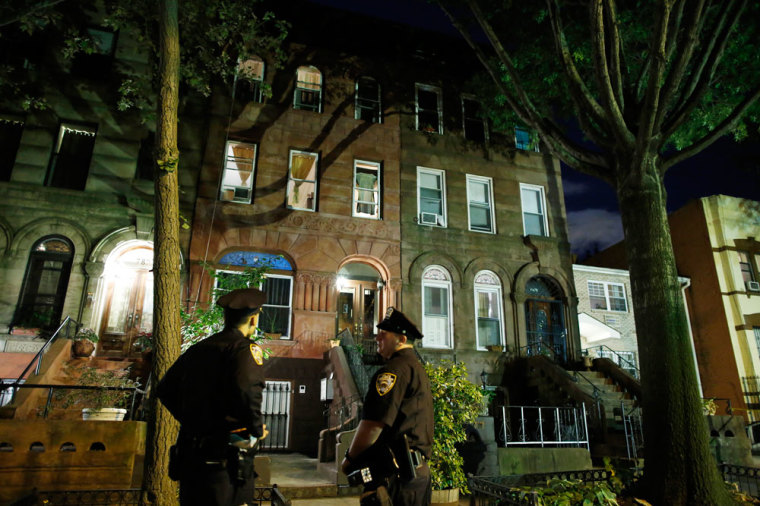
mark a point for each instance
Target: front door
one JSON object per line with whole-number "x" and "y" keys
{"x": 129, "y": 304}
{"x": 546, "y": 328}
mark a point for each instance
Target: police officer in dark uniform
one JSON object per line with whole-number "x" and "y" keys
{"x": 214, "y": 389}
{"x": 398, "y": 404}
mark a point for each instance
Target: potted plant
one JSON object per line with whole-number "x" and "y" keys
{"x": 143, "y": 342}
{"x": 269, "y": 322}
{"x": 98, "y": 403}
{"x": 84, "y": 342}
{"x": 456, "y": 402}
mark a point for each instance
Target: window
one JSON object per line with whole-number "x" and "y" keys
{"x": 10, "y": 140}
{"x": 302, "y": 180}
{"x": 480, "y": 208}
{"x": 431, "y": 197}
{"x": 533, "y": 210}
{"x": 488, "y": 314}
{"x": 745, "y": 265}
{"x": 473, "y": 122}
{"x": 308, "y": 94}
{"x": 96, "y": 60}
{"x": 607, "y": 296}
{"x": 249, "y": 85}
{"x": 756, "y": 331}
{"x": 71, "y": 159}
{"x": 276, "y": 313}
{"x": 45, "y": 283}
{"x": 436, "y": 308}
{"x": 238, "y": 173}
{"x": 368, "y": 102}
{"x": 366, "y": 194}
{"x": 428, "y": 108}
{"x": 525, "y": 140}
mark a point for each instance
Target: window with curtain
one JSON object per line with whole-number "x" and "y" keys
{"x": 366, "y": 194}
{"x": 368, "y": 106}
{"x": 250, "y": 80}
{"x": 431, "y": 197}
{"x": 308, "y": 92}
{"x": 488, "y": 313}
{"x": 302, "y": 180}
{"x": 428, "y": 108}
{"x": 238, "y": 173}
{"x": 436, "y": 308}
{"x": 533, "y": 210}
{"x": 480, "y": 204}
{"x": 71, "y": 158}
{"x": 473, "y": 122}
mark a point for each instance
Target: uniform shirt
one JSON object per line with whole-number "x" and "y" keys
{"x": 216, "y": 385}
{"x": 399, "y": 396}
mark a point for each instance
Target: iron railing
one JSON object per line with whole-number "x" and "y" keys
{"x": 131, "y": 497}
{"x": 556, "y": 350}
{"x": 747, "y": 479}
{"x": 633, "y": 430}
{"x": 544, "y": 426}
{"x": 604, "y": 351}
{"x": 344, "y": 415}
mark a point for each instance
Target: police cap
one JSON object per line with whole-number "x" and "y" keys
{"x": 244, "y": 298}
{"x": 395, "y": 321}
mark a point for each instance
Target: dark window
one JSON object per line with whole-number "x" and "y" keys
{"x": 45, "y": 283}
{"x": 428, "y": 109}
{"x": 368, "y": 104}
{"x": 275, "y": 314}
{"x": 71, "y": 159}
{"x": 10, "y": 139}
{"x": 96, "y": 60}
{"x": 146, "y": 157}
{"x": 474, "y": 124}
{"x": 249, "y": 85}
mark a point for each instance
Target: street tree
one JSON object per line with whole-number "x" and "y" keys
{"x": 650, "y": 84}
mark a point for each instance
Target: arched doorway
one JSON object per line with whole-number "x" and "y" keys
{"x": 361, "y": 301}
{"x": 545, "y": 318}
{"x": 127, "y": 299}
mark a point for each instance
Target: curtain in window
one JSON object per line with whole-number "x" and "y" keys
{"x": 244, "y": 155}
{"x": 366, "y": 184}
{"x": 309, "y": 79}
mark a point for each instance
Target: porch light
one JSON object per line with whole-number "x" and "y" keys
{"x": 340, "y": 282}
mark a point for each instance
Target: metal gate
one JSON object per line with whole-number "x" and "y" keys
{"x": 275, "y": 407}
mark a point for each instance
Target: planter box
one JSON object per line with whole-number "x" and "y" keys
{"x": 114, "y": 414}
{"x": 445, "y": 497}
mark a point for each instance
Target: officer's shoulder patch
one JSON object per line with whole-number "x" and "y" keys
{"x": 258, "y": 354}
{"x": 385, "y": 382}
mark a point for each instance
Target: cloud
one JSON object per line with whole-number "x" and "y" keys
{"x": 574, "y": 188}
{"x": 593, "y": 228}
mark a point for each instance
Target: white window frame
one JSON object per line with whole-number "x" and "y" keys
{"x": 606, "y": 286}
{"x": 308, "y": 86}
{"x": 435, "y": 276}
{"x": 465, "y": 118}
{"x": 532, "y": 139}
{"x": 291, "y": 178}
{"x": 488, "y": 282}
{"x": 287, "y": 336}
{"x": 471, "y": 178}
{"x": 441, "y": 220}
{"x": 542, "y": 199}
{"x": 229, "y": 161}
{"x": 376, "y": 103}
{"x": 417, "y": 110}
{"x": 355, "y": 192}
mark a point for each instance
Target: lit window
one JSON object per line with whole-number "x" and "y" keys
{"x": 10, "y": 140}
{"x": 607, "y": 296}
{"x": 70, "y": 162}
{"x": 302, "y": 180}
{"x": 431, "y": 197}
{"x": 238, "y": 174}
{"x": 428, "y": 108}
{"x": 368, "y": 104}
{"x": 366, "y": 194}
{"x": 533, "y": 210}
{"x": 436, "y": 308}
{"x": 249, "y": 85}
{"x": 480, "y": 208}
{"x": 308, "y": 93}
{"x": 525, "y": 140}
{"x": 473, "y": 122}
{"x": 488, "y": 313}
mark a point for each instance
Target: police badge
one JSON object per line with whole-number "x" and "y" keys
{"x": 385, "y": 382}
{"x": 257, "y": 354}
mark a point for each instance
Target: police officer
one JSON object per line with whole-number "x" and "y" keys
{"x": 214, "y": 389}
{"x": 398, "y": 403}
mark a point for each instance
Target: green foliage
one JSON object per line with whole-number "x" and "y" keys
{"x": 559, "y": 492}
{"x": 86, "y": 334}
{"x": 202, "y": 320}
{"x": 95, "y": 398}
{"x": 456, "y": 402}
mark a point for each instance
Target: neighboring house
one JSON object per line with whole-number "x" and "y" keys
{"x": 716, "y": 241}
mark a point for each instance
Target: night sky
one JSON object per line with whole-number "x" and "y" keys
{"x": 726, "y": 167}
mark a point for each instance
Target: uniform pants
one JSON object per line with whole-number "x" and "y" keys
{"x": 213, "y": 486}
{"x": 416, "y": 492}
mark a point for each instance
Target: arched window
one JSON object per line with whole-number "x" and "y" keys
{"x": 437, "y": 322}
{"x": 489, "y": 319}
{"x": 250, "y": 80}
{"x": 308, "y": 93}
{"x": 45, "y": 283}
{"x": 368, "y": 104}
{"x": 545, "y": 319}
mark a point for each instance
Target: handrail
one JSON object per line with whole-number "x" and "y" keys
{"x": 617, "y": 354}
{"x": 627, "y": 382}
{"x": 41, "y": 352}
{"x": 541, "y": 344}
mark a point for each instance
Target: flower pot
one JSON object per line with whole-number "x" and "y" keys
{"x": 82, "y": 348}
{"x": 448, "y": 496}
{"x": 494, "y": 347}
{"x": 272, "y": 335}
{"x": 104, "y": 414}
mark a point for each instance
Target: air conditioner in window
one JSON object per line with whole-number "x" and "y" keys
{"x": 242, "y": 194}
{"x": 429, "y": 219}
{"x": 753, "y": 286}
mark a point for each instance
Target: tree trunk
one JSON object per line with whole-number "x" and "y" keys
{"x": 162, "y": 431}
{"x": 679, "y": 468}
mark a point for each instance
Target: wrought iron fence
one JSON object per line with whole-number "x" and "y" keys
{"x": 543, "y": 426}
{"x": 747, "y": 479}
{"x": 554, "y": 349}
{"x": 626, "y": 360}
{"x": 131, "y": 497}
{"x": 633, "y": 430}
